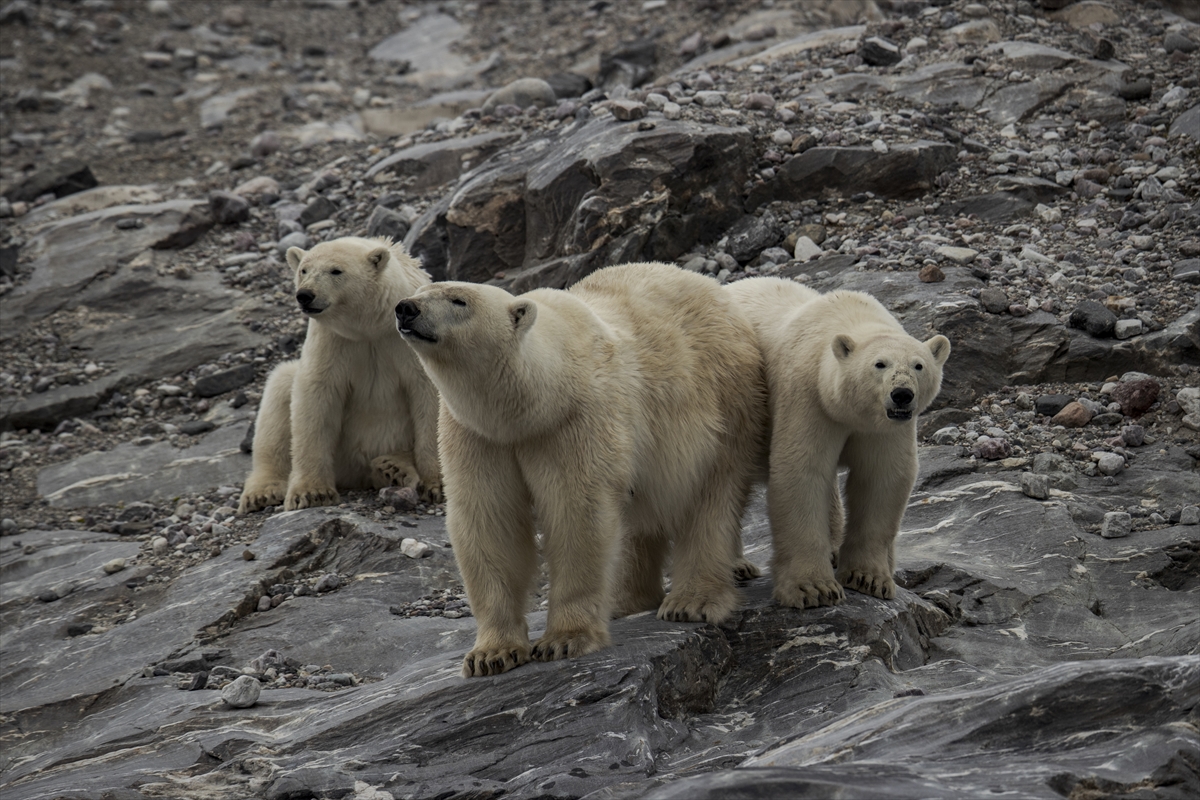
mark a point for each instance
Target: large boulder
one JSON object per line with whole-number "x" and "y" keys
{"x": 551, "y": 209}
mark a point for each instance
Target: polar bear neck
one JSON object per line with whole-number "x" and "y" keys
{"x": 525, "y": 391}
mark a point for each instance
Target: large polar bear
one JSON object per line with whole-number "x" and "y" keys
{"x": 846, "y": 384}
{"x": 356, "y": 411}
{"x": 622, "y": 416}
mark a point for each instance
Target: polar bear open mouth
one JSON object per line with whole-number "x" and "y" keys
{"x": 416, "y": 334}
{"x": 900, "y": 414}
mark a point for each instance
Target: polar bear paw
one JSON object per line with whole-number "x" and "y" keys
{"x": 396, "y": 471}
{"x": 433, "y": 493}
{"x": 682, "y": 605}
{"x": 256, "y": 498}
{"x": 310, "y": 496}
{"x": 809, "y": 593}
{"x": 876, "y": 584}
{"x": 552, "y": 647}
{"x": 484, "y": 661}
{"x": 743, "y": 570}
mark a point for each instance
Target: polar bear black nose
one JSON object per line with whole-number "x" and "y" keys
{"x": 304, "y": 297}
{"x": 902, "y": 397}
{"x": 407, "y": 311}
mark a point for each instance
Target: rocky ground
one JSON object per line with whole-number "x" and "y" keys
{"x": 1019, "y": 176}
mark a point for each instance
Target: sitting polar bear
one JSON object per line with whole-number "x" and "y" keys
{"x": 356, "y": 411}
{"x": 846, "y": 384}
{"x": 624, "y": 415}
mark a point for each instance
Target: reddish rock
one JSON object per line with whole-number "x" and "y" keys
{"x": 931, "y": 273}
{"x": 1136, "y": 397}
{"x": 992, "y": 449}
{"x": 1073, "y": 415}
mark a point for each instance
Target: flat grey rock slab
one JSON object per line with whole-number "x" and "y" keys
{"x": 436, "y": 163}
{"x": 158, "y": 471}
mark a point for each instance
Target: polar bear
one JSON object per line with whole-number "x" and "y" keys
{"x": 623, "y": 416}
{"x": 846, "y": 384}
{"x": 356, "y": 410}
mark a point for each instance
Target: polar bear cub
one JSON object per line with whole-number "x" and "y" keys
{"x": 623, "y": 416}
{"x": 846, "y": 383}
{"x": 356, "y": 410}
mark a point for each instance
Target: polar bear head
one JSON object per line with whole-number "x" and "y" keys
{"x": 466, "y": 325}
{"x": 888, "y": 379}
{"x": 340, "y": 282}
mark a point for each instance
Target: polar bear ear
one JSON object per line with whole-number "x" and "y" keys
{"x": 378, "y": 258}
{"x": 843, "y": 346}
{"x": 294, "y": 254}
{"x": 522, "y": 313}
{"x": 940, "y": 347}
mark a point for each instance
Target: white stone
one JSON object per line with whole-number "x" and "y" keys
{"x": 782, "y": 137}
{"x": 1110, "y": 463}
{"x": 114, "y": 566}
{"x": 1116, "y": 525}
{"x": 159, "y": 545}
{"x": 1048, "y": 214}
{"x": 672, "y": 110}
{"x": 959, "y": 255}
{"x": 916, "y": 44}
{"x": 656, "y": 101}
{"x": 1189, "y": 400}
{"x": 414, "y": 549}
{"x": 1190, "y": 515}
{"x": 1127, "y": 328}
{"x": 879, "y": 146}
{"x": 946, "y": 435}
{"x": 806, "y": 249}
{"x": 242, "y": 692}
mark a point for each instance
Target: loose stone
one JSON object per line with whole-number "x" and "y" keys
{"x": 1035, "y": 486}
{"x": 1073, "y": 415}
{"x": 114, "y": 566}
{"x": 1116, "y": 525}
{"x": 242, "y": 692}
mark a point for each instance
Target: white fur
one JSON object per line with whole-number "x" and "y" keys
{"x": 356, "y": 411}
{"x": 830, "y": 400}
{"x": 622, "y": 416}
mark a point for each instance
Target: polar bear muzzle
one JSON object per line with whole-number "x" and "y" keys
{"x": 409, "y": 324}
{"x": 306, "y": 299}
{"x": 899, "y": 406}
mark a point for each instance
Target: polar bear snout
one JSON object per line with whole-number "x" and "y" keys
{"x": 899, "y": 405}
{"x": 407, "y": 314}
{"x": 306, "y": 298}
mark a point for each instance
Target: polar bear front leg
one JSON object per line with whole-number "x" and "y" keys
{"x": 582, "y": 540}
{"x": 272, "y": 454}
{"x": 317, "y": 408}
{"x": 881, "y": 478}
{"x": 803, "y": 480}
{"x": 489, "y": 516}
{"x": 702, "y": 570}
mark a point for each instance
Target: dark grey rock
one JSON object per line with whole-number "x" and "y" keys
{"x": 1136, "y": 90}
{"x": 1187, "y": 271}
{"x": 568, "y": 84}
{"x": 229, "y": 208}
{"x": 1177, "y": 41}
{"x": 221, "y": 382}
{"x": 1093, "y": 318}
{"x": 751, "y": 235}
{"x": 196, "y": 427}
{"x": 551, "y": 209}
{"x": 386, "y": 222}
{"x": 319, "y": 208}
{"x": 630, "y": 64}
{"x": 993, "y": 300}
{"x": 906, "y": 170}
{"x": 435, "y": 163}
{"x": 879, "y": 52}
{"x": 67, "y": 177}
{"x": 1050, "y": 404}
{"x": 993, "y": 207}
{"x": 1187, "y": 123}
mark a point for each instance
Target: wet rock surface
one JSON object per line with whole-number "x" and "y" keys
{"x": 1019, "y": 176}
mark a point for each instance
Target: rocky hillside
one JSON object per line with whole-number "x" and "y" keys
{"x": 1022, "y": 177}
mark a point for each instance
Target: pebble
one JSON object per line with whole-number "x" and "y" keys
{"x": 879, "y": 52}
{"x": 993, "y": 300}
{"x": 328, "y": 582}
{"x": 229, "y": 208}
{"x": 945, "y": 436}
{"x": 1133, "y": 435}
{"x": 991, "y": 449}
{"x": 1190, "y": 515}
{"x": 1094, "y": 318}
{"x": 415, "y": 549}
{"x": 242, "y": 692}
{"x": 931, "y": 273}
{"x": 1035, "y": 486}
{"x": 296, "y": 239}
{"x": 264, "y": 603}
{"x": 1109, "y": 463}
{"x": 159, "y": 545}
{"x": 114, "y": 566}
{"x": 627, "y": 110}
{"x": 402, "y": 498}
{"x": 9, "y": 526}
{"x": 1072, "y": 415}
{"x": 1116, "y": 525}
{"x": 806, "y": 249}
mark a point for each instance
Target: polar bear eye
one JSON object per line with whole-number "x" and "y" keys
{"x": 919, "y": 366}
{"x": 458, "y": 301}
{"x": 880, "y": 365}
{"x": 335, "y": 272}
{"x": 303, "y": 272}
